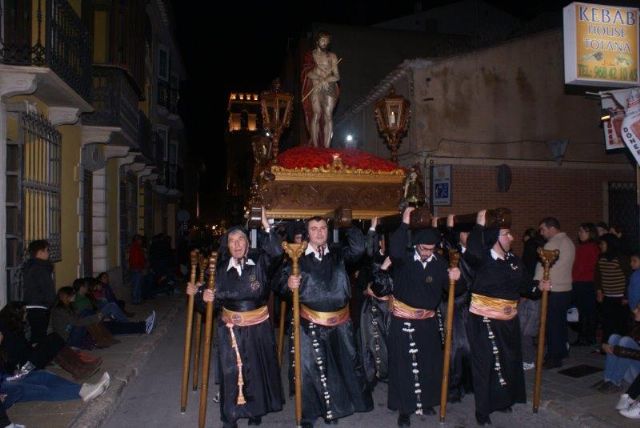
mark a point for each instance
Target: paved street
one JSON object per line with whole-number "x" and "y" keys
{"x": 152, "y": 399}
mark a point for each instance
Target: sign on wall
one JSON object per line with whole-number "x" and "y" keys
{"x": 600, "y": 45}
{"x": 621, "y": 122}
{"x": 441, "y": 185}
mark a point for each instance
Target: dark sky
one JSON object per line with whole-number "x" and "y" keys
{"x": 245, "y": 41}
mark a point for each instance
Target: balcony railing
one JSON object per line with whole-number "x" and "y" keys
{"x": 47, "y": 33}
{"x": 115, "y": 102}
{"x": 168, "y": 96}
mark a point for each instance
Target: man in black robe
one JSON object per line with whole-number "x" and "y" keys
{"x": 374, "y": 314}
{"x": 415, "y": 349}
{"x": 250, "y": 384}
{"x": 333, "y": 381}
{"x": 493, "y": 328}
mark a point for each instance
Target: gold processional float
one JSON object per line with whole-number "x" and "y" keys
{"x": 340, "y": 185}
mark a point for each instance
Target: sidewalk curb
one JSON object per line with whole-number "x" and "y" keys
{"x": 98, "y": 411}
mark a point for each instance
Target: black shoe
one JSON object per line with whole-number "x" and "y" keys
{"x": 255, "y": 421}
{"x": 506, "y": 410}
{"x": 404, "y": 420}
{"x": 307, "y": 425}
{"x": 428, "y": 411}
{"x": 483, "y": 419}
{"x": 330, "y": 421}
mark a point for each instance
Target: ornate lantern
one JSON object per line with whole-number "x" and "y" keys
{"x": 276, "y": 114}
{"x": 392, "y": 117}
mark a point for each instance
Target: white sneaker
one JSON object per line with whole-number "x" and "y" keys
{"x": 150, "y": 322}
{"x": 89, "y": 391}
{"x": 632, "y": 412}
{"x": 13, "y": 425}
{"x": 528, "y": 366}
{"x": 624, "y": 402}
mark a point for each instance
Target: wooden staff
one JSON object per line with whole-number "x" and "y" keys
{"x": 454, "y": 258}
{"x": 208, "y": 327}
{"x": 548, "y": 257}
{"x": 187, "y": 337}
{"x": 283, "y": 315}
{"x": 295, "y": 251}
{"x": 198, "y": 329}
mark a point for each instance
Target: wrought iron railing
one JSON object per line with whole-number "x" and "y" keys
{"x": 168, "y": 96}
{"x": 115, "y": 102}
{"x": 47, "y": 33}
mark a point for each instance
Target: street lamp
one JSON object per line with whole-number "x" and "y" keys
{"x": 392, "y": 117}
{"x": 276, "y": 114}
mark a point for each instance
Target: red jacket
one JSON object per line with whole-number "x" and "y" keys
{"x": 584, "y": 265}
{"x": 136, "y": 256}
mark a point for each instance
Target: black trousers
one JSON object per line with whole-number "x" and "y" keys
{"x": 615, "y": 317}
{"x": 38, "y": 320}
{"x": 557, "y": 329}
{"x": 634, "y": 389}
{"x": 584, "y": 297}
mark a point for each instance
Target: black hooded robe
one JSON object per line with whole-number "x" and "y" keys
{"x": 415, "y": 346}
{"x": 503, "y": 279}
{"x": 333, "y": 380}
{"x": 261, "y": 372}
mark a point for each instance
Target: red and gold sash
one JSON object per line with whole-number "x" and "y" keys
{"x": 247, "y": 318}
{"x": 402, "y": 310}
{"x": 493, "y": 308}
{"x": 327, "y": 319}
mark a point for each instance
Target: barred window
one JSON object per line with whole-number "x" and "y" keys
{"x": 41, "y": 182}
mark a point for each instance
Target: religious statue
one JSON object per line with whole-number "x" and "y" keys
{"x": 413, "y": 191}
{"x": 320, "y": 90}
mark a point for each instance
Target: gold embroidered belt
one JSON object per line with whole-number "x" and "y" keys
{"x": 327, "y": 319}
{"x": 247, "y": 318}
{"x": 402, "y": 310}
{"x": 492, "y": 307}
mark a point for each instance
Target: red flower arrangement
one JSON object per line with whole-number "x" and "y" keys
{"x": 312, "y": 157}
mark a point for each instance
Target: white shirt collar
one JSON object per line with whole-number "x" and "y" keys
{"x": 416, "y": 257}
{"x": 236, "y": 266}
{"x": 496, "y": 256}
{"x": 310, "y": 250}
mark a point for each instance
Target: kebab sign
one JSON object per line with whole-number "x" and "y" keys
{"x": 600, "y": 45}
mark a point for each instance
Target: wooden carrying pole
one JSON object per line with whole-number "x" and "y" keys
{"x": 283, "y": 316}
{"x": 294, "y": 251}
{"x": 454, "y": 258}
{"x": 198, "y": 328}
{"x": 208, "y": 327}
{"x": 187, "y": 337}
{"x": 548, "y": 257}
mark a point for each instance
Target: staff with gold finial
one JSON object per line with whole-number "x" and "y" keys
{"x": 454, "y": 258}
{"x": 295, "y": 251}
{"x": 198, "y": 326}
{"x": 548, "y": 258}
{"x": 187, "y": 337}
{"x": 208, "y": 328}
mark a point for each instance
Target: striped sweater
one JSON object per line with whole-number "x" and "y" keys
{"x": 611, "y": 277}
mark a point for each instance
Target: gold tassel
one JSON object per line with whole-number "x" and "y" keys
{"x": 234, "y": 344}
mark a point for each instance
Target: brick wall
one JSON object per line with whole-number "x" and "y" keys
{"x": 573, "y": 196}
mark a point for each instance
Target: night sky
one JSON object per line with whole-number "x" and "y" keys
{"x": 246, "y": 42}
